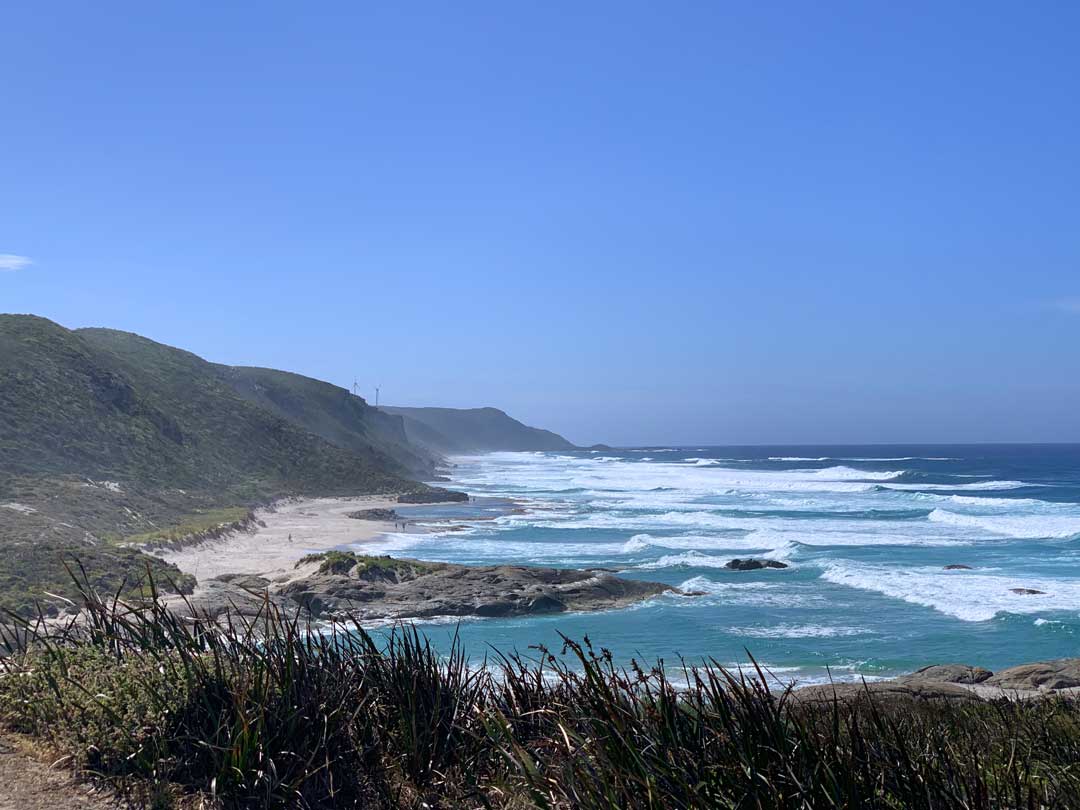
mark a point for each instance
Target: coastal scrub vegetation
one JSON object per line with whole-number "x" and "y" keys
{"x": 263, "y": 712}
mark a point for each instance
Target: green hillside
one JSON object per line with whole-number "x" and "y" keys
{"x": 331, "y": 412}
{"x": 474, "y": 430}
{"x": 105, "y": 435}
{"x": 166, "y": 418}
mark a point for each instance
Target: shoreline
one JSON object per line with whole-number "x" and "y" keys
{"x": 282, "y": 534}
{"x": 288, "y": 530}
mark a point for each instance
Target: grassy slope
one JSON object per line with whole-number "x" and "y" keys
{"x": 476, "y": 430}
{"x": 224, "y": 439}
{"x": 174, "y": 441}
{"x": 329, "y": 411}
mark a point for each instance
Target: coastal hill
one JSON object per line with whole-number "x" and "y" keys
{"x": 107, "y": 436}
{"x": 332, "y": 412}
{"x": 474, "y": 430}
{"x": 109, "y": 439}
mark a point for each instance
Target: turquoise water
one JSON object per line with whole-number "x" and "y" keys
{"x": 866, "y": 532}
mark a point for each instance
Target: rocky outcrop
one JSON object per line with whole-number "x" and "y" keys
{"x": 1063, "y": 673}
{"x": 383, "y": 587}
{"x": 338, "y": 584}
{"x": 948, "y": 673}
{"x": 753, "y": 565}
{"x": 238, "y": 595}
{"x": 1060, "y": 678}
{"x": 374, "y": 514}
{"x": 897, "y": 689}
{"x": 432, "y": 495}
{"x": 958, "y": 567}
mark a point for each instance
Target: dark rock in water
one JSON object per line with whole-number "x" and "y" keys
{"x": 948, "y": 673}
{"x": 382, "y": 587}
{"x": 1062, "y": 673}
{"x": 958, "y": 567}
{"x": 1027, "y": 591}
{"x": 374, "y": 514}
{"x": 753, "y": 565}
{"x": 432, "y": 495}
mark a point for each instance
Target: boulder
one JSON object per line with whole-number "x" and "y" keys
{"x": 948, "y": 673}
{"x": 1062, "y": 673}
{"x": 546, "y": 604}
{"x": 234, "y": 594}
{"x": 432, "y": 495}
{"x": 957, "y": 567}
{"x": 753, "y": 565}
{"x": 374, "y": 514}
{"x": 1027, "y": 591}
{"x": 883, "y": 691}
{"x": 249, "y": 582}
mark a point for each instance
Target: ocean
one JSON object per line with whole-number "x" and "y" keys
{"x": 866, "y": 533}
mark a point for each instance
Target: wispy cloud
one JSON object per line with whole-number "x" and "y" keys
{"x": 1068, "y": 304}
{"x": 11, "y": 262}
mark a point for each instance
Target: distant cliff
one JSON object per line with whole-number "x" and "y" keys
{"x": 474, "y": 430}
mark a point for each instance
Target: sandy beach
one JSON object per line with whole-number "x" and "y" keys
{"x": 292, "y": 529}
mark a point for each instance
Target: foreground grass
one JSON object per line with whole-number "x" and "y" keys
{"x": 266, "y": 714}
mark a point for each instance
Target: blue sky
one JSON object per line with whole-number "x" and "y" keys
{"x": 630, "y": 222}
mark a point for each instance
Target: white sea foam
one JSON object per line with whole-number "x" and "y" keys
{"x": 693, "y": 559}
{"x": 639, "y": 542}
{"x": 975, "y": 487}
{"x": 799, "y": 631}
{"x": 860, "y": 458}
{"x": 1031, "y": 527}
{"x": 899, "y": 458}
{"x": 784, "y": 552}
{"x": 735, "y": 531}
{"x": 969, "y": 596}
{"x": 985, "y": 501}
{"x": 720, "y": 510}
{"x": 751, "y": 593}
